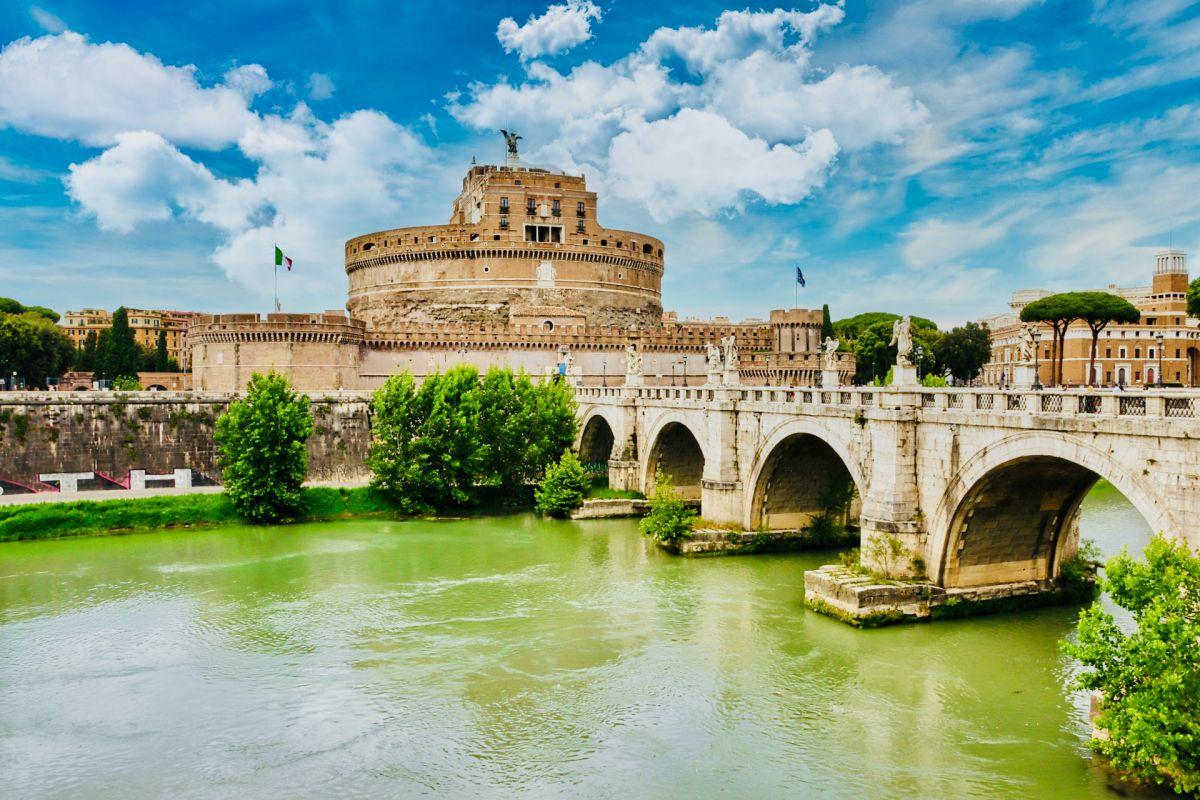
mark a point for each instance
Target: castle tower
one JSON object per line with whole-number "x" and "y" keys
{"x": 523, "y": 247}
{"x": 1170, "y": 272}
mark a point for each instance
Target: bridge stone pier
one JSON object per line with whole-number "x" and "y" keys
{"x": 973, "y": 492}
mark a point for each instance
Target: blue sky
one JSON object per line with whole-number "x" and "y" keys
{"x": 927, "y": 156}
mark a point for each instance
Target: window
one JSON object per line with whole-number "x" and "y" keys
{"x": 543, "y": 233}
{"x": 556, "y": 208}
{"x": 647, "y": 249}
{"x": 517, "y": 181}
{"x": 1108, "y": 352}
{"x": 503, "y": 205}
{"x": 495, "y": 237}
{"x": 1177, "y": 352}
{"x": 604, "y": 242}
{"x": 474, "y": 237}
{"x": 580, "y": 211}
{"x": 557, "y": 185}
{"x": 530, "y": 206}
{"x": 1150, "y": 353}
{"x": 1121, "y": 352}
{"x": 548, "y": 326}
{"x": 504, "y": 223}
{"x": 580, "y": 227}
{"x": 1137, "y": 352}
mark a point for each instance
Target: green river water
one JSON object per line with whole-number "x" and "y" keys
{"x": 508, "y": 657}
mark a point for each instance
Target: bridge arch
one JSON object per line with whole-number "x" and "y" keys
{"x": 795, "y": 472}
{"x": 675, "y": 448}
{"x": 1011, "y": 512}
{"x": 596, "y": 440}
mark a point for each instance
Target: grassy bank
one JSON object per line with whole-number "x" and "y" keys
{"x": 92, "y": 517}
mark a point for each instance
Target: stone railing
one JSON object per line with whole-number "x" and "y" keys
{"x": 1172, "y": 404}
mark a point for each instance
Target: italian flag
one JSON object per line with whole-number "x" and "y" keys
{"x": 281, "y": 259}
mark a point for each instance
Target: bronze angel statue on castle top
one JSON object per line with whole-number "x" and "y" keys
{"x": 511, "y": 139}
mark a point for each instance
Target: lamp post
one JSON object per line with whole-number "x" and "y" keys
{"x": 604, "y": 372}
{"x": 1158, "y": 337}
{"x": 685, "y": 381}
{"x": 672, "y": 373}
{"x": 1037, "y": 373}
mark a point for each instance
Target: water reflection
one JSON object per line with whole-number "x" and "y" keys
{"x": 507, "y": 657}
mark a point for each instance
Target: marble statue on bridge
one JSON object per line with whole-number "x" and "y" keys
{"x": 633, "y": 366}
{"x": 714, "y": 363}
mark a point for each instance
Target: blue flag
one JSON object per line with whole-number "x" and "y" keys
{"x": 799, "y": 277}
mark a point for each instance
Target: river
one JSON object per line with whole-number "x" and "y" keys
{"x": 508, "y": 657}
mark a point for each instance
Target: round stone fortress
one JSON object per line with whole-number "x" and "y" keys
{"x": 523, "y": 246}
{"x": 523, "y": 276}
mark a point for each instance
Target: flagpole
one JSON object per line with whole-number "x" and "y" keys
{"x": 275, "y": 262}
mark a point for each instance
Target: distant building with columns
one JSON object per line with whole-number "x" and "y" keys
{"x": 1126, "y": 353}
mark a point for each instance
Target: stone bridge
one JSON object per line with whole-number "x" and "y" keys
{"x": 982, "y": 487}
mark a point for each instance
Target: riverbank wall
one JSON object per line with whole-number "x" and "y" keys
{"x": 98, "y": 441}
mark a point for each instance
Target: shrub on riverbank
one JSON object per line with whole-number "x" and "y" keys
{"x": 442, "y": 445}
{"x": 92, "y": 517}
{"x": 260, "y": 448}
{"x": 669, "y": 519}
{"x": 563, "y": 488}
{"x": 1149, "y": 678}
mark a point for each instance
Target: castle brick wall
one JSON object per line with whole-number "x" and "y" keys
{"x": 113, "y": 433}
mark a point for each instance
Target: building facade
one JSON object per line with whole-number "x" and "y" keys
{"x": 1163, "y": 346}
{"x": 523, "y": 276}
{"x": 145, "y": 323}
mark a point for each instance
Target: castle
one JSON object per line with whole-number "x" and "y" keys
{"x": 522, "y": 276}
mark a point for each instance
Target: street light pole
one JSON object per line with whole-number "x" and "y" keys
{"x": 1037, "y": 373}
{"x": 1159, "y": 338}
{"x": 685, "y": 380}
{"x": 604, "y": 373}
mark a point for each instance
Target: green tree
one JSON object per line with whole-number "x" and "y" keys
{"x": 1058, "y": 311}
{"x": 563, "y": 487}
{"x": 669, "y": 519}
{"x": 88, "y": 357}
{"x": 162, "y": 359}
{"x": 524, "y": 425}
{"x": 10, "y": 306}
{"x": 964, "y": 350}
{"x": 426, "y": 451}
{"x": 851, "y": 328}
{"x": 1097, "y": 310}
{"x": 826, "y": 323}
{"x": 1149, "y": 678}
{"x": 261, "y": 449}
{"x": 121, "y": 356}
{"x": 1193, "y": 298}
{"x": 33, "y": 347}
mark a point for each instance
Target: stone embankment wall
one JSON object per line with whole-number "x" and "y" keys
{"x": 113, "y": 433}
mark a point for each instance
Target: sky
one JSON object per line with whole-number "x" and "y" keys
{"x": 926, "y": 156}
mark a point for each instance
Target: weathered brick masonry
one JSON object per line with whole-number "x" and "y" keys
{"x": 158, "y": 432}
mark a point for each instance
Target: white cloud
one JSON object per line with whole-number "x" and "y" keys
{"x": 745, "y": 88}
{"x": 317, "y": 184}
{"x": 935, "y": 242}
{"x": 249, "y": 80}
{"x": 143, "y": 178}
{"x": 50, "y": 23}
{"x": 697, "y": 161}
{"x": 67, "y": 88}
{"x": 320, "y": 86}
{"x": 562, "y": 27}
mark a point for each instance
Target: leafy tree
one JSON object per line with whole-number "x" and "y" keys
{"x": 1149, "y": 678}
{"x": 852, "y": 327}
{"x": 260, "y": 448}
{"x": 874, "y": 357}
{"x": 33, "y": 347}
{"x": 1193, "y": 298}
{"x": 426, "y": 452}
{"x": 126, "y": 384}
{"x": 162, "y": 359}
{"x": 1097, "y": 310}
{"x": 669, "y": 519}
{"x": 524, "y": 425}
{"x": 87, "y": 359}
{"x": 120, "y": 356}
{"x": 964, "y": 350}
{"x": 563, "y": 487}
{"x": 10, "y": 306}
{"x": 826, "y": 323}
{"x": 1058, "y": 311}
